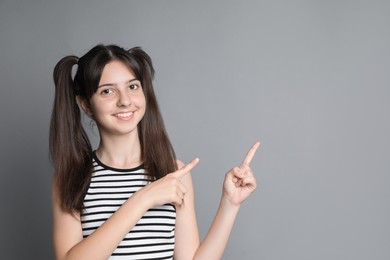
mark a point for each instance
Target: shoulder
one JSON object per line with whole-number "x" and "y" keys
{"x": 67, "y": 230}
{"x": 179, "y": 164}
{"x": 187, "y": 178}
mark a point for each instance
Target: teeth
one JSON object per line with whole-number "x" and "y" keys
{"x": 124, "y": 114}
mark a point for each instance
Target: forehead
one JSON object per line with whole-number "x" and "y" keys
{"x": 116, "y": 72}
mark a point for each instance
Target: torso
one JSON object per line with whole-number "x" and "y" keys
{"x": 153, "y": 237}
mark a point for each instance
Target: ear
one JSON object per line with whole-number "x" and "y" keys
{"x": 84, "y": 105}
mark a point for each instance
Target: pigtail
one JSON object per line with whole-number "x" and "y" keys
{"x": 69, "y": 145}
{"x": 157, "y": 151}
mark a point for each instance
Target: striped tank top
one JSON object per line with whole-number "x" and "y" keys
{"x": 153, "y": 237}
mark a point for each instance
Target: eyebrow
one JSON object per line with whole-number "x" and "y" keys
{"x": 114, "y": 84}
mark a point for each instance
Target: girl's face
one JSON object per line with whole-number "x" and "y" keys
{"x": 118, "y": 104}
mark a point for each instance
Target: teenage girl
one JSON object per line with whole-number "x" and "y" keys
{"x": 130, "y": 198}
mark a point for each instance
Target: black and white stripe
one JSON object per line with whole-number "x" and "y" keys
{"x": 153, "y": 237}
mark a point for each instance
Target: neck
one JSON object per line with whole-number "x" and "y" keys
{"x": 120, "y": 151}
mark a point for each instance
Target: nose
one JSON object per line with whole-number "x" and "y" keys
{"x": 124, "y": 99}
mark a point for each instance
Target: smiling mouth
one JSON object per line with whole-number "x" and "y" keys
{"x": 124, "y": 115}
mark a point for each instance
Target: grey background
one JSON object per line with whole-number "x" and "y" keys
{"x": 310, "y": 79}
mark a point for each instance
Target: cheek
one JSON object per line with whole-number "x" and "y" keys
{"x": 99, "y": 108}
{"x": 141, "y": 100}
{"x": 142, "y": 106}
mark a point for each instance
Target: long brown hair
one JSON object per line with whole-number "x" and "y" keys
{"x": 70, "y": 148}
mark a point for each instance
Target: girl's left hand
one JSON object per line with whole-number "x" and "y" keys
{"x": 240, "y": 182}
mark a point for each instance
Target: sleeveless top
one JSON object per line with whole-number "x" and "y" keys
{"x": 153, "y": 237}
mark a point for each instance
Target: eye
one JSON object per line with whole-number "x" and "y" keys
{"x": 134, "y": 86}
{"x": 106, "y": 91}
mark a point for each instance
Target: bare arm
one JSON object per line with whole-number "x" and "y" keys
{"x": 186, "y": 228}
{"x": 68, "y": 240}
{"x": 238, "y": 185}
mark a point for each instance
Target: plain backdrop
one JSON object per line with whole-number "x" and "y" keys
{"x": 309, "y": 79}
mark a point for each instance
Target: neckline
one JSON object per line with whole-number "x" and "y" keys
{"x": 100, "y": 163}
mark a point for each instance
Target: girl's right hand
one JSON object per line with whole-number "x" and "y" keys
{"x": 168, "y": 189}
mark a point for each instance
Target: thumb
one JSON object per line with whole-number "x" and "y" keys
{"x": 186, "y": 168}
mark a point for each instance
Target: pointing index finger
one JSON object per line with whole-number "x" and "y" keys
{"x": 251, "y": 153}
{"x": 186, "y": 168}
